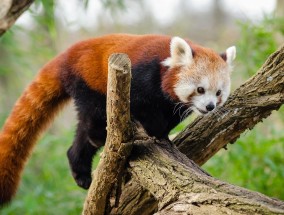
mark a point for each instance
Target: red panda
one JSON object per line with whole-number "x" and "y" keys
{"x": 168, "y": 73}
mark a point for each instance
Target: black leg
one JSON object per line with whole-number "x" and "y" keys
{"x": 87, "y": 141}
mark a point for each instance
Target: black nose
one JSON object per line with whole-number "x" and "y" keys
{"x": 210, "y": 106}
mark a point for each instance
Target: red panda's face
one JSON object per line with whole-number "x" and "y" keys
{"x": 202, "y": 79}
{"x": 205, "y": 92}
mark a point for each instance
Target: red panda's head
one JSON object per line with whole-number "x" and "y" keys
{"x": 198, "y": 76}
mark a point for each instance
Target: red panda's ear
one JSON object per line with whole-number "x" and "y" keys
{"x": 181, "y": 53}
{"x": 229, "y": 55}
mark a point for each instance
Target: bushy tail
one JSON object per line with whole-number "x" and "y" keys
{"x": 30, "y": 115}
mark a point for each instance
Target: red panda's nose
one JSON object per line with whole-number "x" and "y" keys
{"x": 210, "y": 106}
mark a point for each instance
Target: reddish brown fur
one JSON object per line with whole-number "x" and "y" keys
{"x": 169, "y": 80}
{"x": 31, "y": 114}
{"x": 211, "y": 61}
{"x": 96, "y": 59}
{"x": 45, "y": 96}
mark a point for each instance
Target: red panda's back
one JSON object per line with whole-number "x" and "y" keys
{"x": 89, "y": 59}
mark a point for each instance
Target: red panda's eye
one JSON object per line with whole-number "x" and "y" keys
{"x": 218, "y": 93}
{"x": 200, "y": 90}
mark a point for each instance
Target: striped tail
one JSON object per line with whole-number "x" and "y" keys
{"x": 30, "y": 116}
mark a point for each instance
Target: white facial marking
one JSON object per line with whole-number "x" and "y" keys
{"x": 205, "y": 82}
{"x": 183, "y": 90}
{"x": 200, "y": 101}
{"x": 225, "y": 91}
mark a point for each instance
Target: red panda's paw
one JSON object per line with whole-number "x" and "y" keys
{"x": 80, "y": 168}
{"x": 82, "y": 180}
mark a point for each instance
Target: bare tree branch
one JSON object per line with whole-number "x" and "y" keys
{"x": 119, "y": 137}
{"x": 10, "y": 10}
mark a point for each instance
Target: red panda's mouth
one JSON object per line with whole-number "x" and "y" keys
{"x": 202, "y": 111}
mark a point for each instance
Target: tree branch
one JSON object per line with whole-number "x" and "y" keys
{"x": 181, "y": 187}
{"x": 119, "y": 137}
{"x": 10, "y": 10}
{"x": 247, "y": 106}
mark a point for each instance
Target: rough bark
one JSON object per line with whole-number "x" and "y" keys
{"x": 10, "y": 10}
{"x": 181, "y": 187}
{"x": 248, "y": 105}
{"x": 108, "y": 173}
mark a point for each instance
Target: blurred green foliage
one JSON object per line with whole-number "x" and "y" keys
{"x": 257, "y": 42}
{"x": 23, "y": 51}
{"x": 114, "y": 5}
{"x": 108, "y": 4}
{"x": 255, "y": 161}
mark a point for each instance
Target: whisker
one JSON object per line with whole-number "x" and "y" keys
{"x": 176, "y": 108}
{"x": 179, "y": 111}
{"x": 186, "y": 113}
{"x": 181, "y": 116}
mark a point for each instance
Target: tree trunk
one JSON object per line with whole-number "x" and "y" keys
{"x": 10, "y": 10}
{"x": 248, "y": 105}
{"x": 119, "y": 138}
